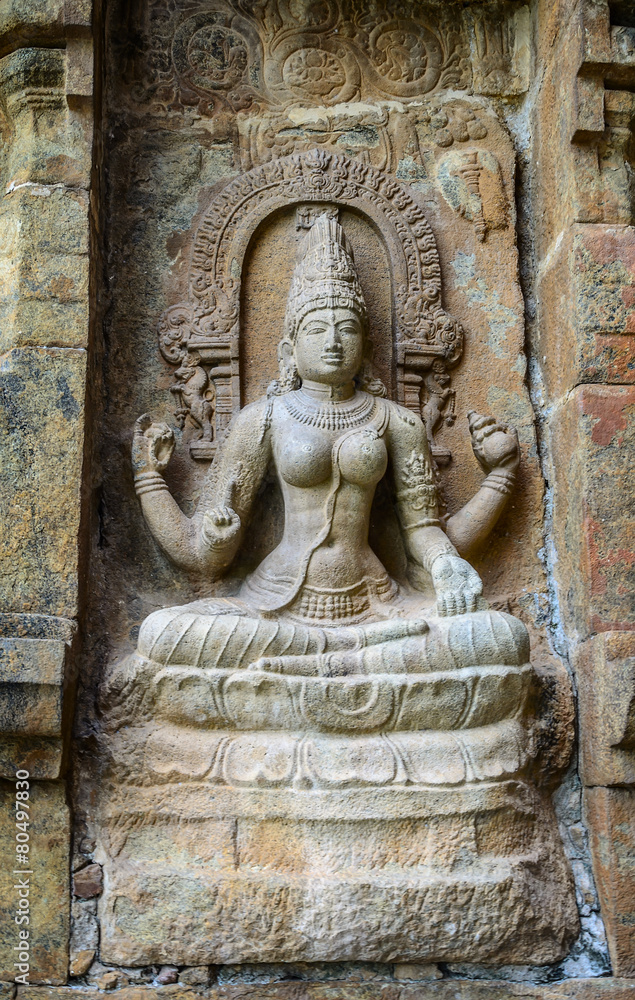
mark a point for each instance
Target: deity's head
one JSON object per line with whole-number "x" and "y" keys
{"x": 326, "y": 324}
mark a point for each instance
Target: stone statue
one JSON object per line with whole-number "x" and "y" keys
{"x": 194, "y": 394}
{"x": 322, "y": 601}
{"x": 332, "y": 764}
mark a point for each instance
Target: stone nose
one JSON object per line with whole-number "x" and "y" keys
{"x": 332, "y": 339}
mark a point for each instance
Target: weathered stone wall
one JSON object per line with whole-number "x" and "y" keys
{"x": 532, "y": 99}
{"x": 46, "y": 73}
{"x": 582, "y": 345}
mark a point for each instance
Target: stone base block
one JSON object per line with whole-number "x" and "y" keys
{"x": 448, "y": 989}
{"x": 232, "y": 876}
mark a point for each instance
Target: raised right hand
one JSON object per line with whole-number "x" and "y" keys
{"x": 221, "y": 524}
{"x": 152, "y": 445}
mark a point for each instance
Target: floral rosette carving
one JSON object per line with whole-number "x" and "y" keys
{"x": 275, "y": 53}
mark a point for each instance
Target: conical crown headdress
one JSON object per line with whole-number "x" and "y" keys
{"x": 325, "y": 276}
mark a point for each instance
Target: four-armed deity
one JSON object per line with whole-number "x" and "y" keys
{"x": 357, "y": 747}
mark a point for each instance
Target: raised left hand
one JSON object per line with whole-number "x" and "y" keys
{"x": 458, "y": 586}
{"x": 152, "y": 446}
{"x": 494, "y": 444}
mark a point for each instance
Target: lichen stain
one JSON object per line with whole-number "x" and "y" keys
{"x": 608, "y": 411}
{"x": 607, "y": 261}
{"x": 499, "y": 316}
{"x": 601, "y": 564}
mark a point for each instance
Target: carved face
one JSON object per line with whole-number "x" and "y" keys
{"x": 329, "y": 346}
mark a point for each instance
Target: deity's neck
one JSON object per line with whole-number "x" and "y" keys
{"x": 320, "y": 391}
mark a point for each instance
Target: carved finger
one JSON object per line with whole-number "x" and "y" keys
{"x": 479, "y": 424}
{"x": 450, "y": 604}
{"x": 442, "y": 609}
{"x": 492, "y": 427}
{"x": 142, "y": 423}
{"x": 459, "y": 603}
{"x": 470, "y": 601}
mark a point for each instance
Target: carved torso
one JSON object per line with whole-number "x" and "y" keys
{"x": 329, "y": 459}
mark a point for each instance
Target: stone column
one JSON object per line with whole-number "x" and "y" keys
{"x": 585, "y": 256}
{"x": 46, "y": 122}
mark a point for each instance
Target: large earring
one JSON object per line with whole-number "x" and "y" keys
{"x": 289, "y": 379}
{"x": 368, "y": 381}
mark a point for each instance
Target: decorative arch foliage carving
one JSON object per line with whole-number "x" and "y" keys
{"x": 202, "y": 335}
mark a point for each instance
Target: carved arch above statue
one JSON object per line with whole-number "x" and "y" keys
{"x": 202, "y": 335}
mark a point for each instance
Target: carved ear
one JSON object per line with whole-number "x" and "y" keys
{"x": 285, "y": 352}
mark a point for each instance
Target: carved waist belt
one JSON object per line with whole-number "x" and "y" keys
{"x": 342, "y": 604}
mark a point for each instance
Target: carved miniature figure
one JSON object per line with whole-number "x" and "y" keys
{"x": 438, "y": 407}
{"x": 194, "y": 395}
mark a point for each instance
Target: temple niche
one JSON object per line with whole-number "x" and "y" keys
{"x": 354, "y": 741}
{"x": 327, "y": 675}
{"x": 313, "y": 717}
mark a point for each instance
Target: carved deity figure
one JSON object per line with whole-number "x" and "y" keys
{"x": 322, "y": 603}
{"x": 331, "y": 763}
{"x": 439, "y": 405}
{"x": 194, "y": 396}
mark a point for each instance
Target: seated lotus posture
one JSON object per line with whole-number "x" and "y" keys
{"x": 322, "y": 603}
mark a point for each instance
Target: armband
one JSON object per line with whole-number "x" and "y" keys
{"x": 417, "y": 501}
{"x": 149, "y": 482}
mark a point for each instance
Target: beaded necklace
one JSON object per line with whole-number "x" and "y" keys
{"x": 331, "y": 415}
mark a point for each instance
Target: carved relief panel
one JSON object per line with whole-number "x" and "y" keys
{"x": 311, "y": 728}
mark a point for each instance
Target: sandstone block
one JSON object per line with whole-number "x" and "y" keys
{"x": 44, "y": 267}
{"x": 88, "y": 882}
{"x": 31, "y": 683}
{"x": 593, "y": 989}
{"x": 582, "y": 157}
{"x": 196, "y": 975}
{"x": 611, "y": 817}
{"x": 591, "y": 434}
{"x": 40, "y": 478}
{"x": 167, "y": 974}
{"x": 23, "y": 20}
{"x": 47, "y": 882}
{"x": 31, "y": 677}
{"x": 449, "y": 989}
{"x": 50, "y": 140}
{"x": 302, "y": 866}
{"x": 80, "y": 961}
{"x": 40, "y": 755}
{"x": 586, "y": 307}
{"x": 605, "y": 669}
